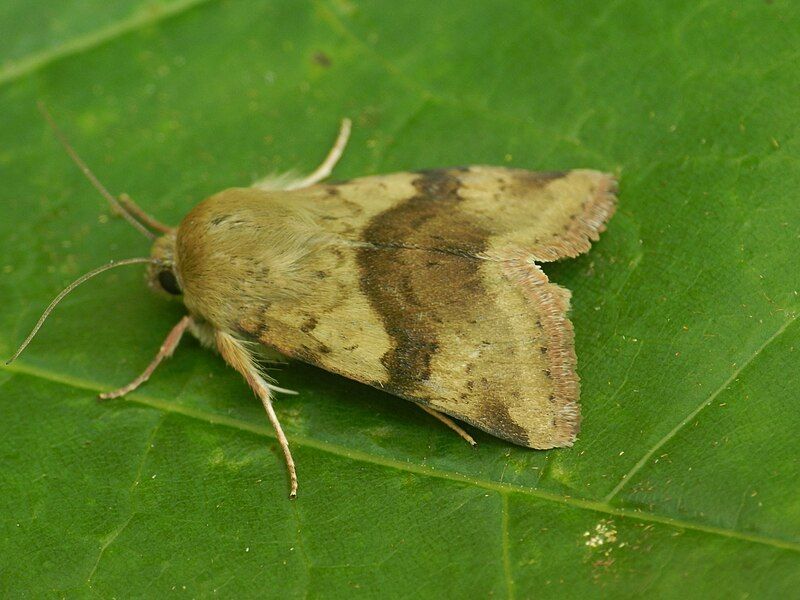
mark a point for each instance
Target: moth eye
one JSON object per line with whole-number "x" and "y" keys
{"x": 169, "y": 282}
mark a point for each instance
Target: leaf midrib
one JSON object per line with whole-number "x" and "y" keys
{"x": 503, "y": 488}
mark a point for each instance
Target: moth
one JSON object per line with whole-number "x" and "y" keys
{"x": 423, "y": 284}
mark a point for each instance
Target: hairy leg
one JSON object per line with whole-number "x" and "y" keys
{"x": 287, "y": 182}
{"x": 143, "y": 217}
{"x": 237, "y": 356}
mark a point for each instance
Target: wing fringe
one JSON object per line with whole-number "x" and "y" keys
{"x": 585, "y": 228}
{"x": 553, "y": 300}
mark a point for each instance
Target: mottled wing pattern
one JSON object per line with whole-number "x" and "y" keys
{"x": 477, "y": 330}
{"x": 425, "y": 285}
{"x": 485, "y": 341}
{"x": 491, "y": 211}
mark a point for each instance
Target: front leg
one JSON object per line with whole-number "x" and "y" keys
{"x": 237, "y": 356}
{"x": 151, "y": 222}
{"x": 166, "y": 350}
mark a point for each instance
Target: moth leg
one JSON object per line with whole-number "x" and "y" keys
{"x": 335, "y": 153}
{"x": 287, "y": 182}
{"x": 166, "y": 350}
{"x": 237, "y": 356}
{"x": 450, "y": 423}
{"x": 143, "y": 217}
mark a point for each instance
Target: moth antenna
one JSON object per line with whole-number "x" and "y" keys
{"x": 67, "y": 290}
{"x": 115, "y": 205}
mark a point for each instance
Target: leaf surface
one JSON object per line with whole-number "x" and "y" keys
{"x": 683, "y": 482}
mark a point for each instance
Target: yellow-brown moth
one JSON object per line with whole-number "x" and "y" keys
{"x": 423, "y": 284}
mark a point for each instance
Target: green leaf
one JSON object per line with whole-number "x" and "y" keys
{"x": 684, "y": 480}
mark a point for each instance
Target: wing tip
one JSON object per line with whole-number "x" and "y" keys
{"x": 586, "y": 225}
{"x": 602, "y": 205}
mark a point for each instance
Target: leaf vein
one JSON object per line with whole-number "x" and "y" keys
{"x": 339, "y": 27}
{"x": 409, "y": 467}
{"x": 688, "y": 418}
{"x": 507, "y": 572}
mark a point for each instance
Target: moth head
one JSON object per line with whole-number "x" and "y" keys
{"x": 162, "y": 276}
